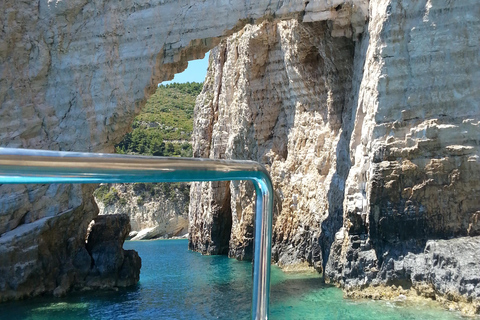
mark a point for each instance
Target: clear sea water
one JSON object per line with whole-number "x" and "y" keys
{"x": 179, "y": 284}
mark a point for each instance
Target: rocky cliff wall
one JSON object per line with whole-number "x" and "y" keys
{"x": 411, "y": 197}
{"x": 275, "y": 93}
{"x": 73, "y": 74}
{"x": 155, "y": 210}
{"x": 372, "y": 143}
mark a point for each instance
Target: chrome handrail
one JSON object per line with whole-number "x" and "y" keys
{"x": 37, "y": 166}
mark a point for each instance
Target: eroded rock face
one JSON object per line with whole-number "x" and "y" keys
{"x": 73, "y": 74}
{"x": 37, "y": 257}
{"x": 372, "y": 143}
{"x": 415, "y": 149}
{"x": 276, "y": 93}
{"x": 111, "y": 265}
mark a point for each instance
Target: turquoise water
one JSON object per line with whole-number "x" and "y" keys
{"x": 178, "y": 284}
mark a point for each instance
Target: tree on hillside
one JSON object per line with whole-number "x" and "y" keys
{"x": 157, "y": 148}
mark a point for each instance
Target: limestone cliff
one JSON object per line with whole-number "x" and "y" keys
{"x": 276, "y": 93}
{"x": 372, "y": 143}
{"x": 370, "y": 129}
{"x": 411, "y": 197}
{"x": 73, "y": 74}
{"x": 155, "y": 210}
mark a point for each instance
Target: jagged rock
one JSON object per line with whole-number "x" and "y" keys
{"x": 275, "y": 93}
{"x": 414, "y": 151}
{"x": 372, "y": 143}
{"x": 444, "y": 270}
{"x": 111, "y": 265}
{"x": 39, "y": 256}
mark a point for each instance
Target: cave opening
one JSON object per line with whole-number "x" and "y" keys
{"x": 112, "y": 120}
{"x": 164, "y": 127}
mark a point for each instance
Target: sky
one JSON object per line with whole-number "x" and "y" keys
{"x": 195, "y": 72}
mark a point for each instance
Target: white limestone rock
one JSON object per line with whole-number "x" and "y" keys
{"x": 374, "y": 156}
{"x": 73, "y": 75}
{"x": 155, "y": 210}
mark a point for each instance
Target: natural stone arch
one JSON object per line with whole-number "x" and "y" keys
{"x": 73, "y": 76}
{"x": 95, "y": 62}
{"x": 70, "y": 81}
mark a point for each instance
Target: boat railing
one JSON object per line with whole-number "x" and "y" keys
{"x": 18, "y": 166}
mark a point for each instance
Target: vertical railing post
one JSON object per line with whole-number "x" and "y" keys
{"x": 263, "y": 248}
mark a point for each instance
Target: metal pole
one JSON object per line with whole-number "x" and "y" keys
{"x": 36, "y": 166}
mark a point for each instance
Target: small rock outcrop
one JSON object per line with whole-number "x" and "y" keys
{"x": 155, "y": 210}
{"x": 111, "y": 266}
{"x": 38, "y": 256}
{"x": 99, "y": 262}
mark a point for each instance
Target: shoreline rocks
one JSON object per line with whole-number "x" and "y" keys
{"x": 111, "y": 266}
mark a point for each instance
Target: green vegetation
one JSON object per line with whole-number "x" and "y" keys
{"x": 106, "y": 194}
{"x": 145, "y": 192}
{"x": 168, "y": 190}
{"x": 164, "y": 128}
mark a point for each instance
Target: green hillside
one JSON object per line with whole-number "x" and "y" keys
{"x": 164, "y": 128}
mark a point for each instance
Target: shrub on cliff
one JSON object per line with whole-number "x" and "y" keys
{"x": 106, "y": 195}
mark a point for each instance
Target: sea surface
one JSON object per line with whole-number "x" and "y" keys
{"x": 179, "y": 284}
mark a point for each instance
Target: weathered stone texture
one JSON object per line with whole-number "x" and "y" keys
{"x": 373, "y": 143}
{"x": 155, "y": 210}
{"x": 276, "y": 93}
{"x": 37, "y": 257}
{"x": 73, "y": 74}
{"x": 111, "y": 265}
{"x": 415, "y": 149}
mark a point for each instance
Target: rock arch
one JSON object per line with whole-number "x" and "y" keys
{"x": 73, "y": 74}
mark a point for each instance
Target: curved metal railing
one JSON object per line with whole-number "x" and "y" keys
{"x": 36, "y": 166}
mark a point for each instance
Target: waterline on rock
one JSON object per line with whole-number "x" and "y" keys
{"x": 179, "y": 284}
